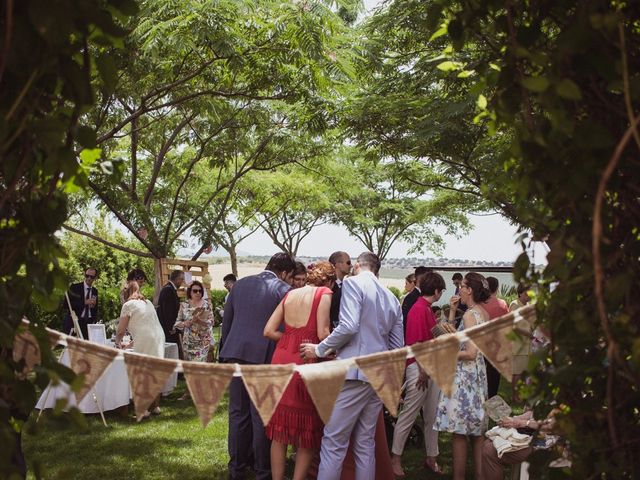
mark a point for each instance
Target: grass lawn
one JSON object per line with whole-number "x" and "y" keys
{"x": 172, "y": 445}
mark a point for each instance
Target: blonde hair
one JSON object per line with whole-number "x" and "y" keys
{"x": 320, "y": 273}
{"x": 131, "y": 291}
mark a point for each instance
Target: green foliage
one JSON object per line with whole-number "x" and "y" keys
{"x": 561, "y": 83}
{"x": 217, "y": 302}
{"x": 47, "y": 62}
{"x": 396, "y": 291}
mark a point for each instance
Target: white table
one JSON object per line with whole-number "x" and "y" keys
{"x": 112, "y": 388}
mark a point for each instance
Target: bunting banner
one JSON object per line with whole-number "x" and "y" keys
{"x": 439, "y": 359}
{"x": 147, "y": 376}
{"x": 25, "y": 347}
{"x": 266, "y": 384}
{"x": 385, "y": 373}
{"x": 207, "y": 383}
{"x": 324, "y": 380}
{"x": 90, "y": 360}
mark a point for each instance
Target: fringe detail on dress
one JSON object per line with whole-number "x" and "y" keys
{"x": 294, "y": 426}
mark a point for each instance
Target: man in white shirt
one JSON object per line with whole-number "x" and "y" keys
{"x": 370, "y": 322}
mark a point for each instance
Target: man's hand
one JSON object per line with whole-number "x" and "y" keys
{"x": 308, "y": 351}
{"x": 423, "y": 379}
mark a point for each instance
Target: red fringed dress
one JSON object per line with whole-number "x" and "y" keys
{"x": 296, "y": 421}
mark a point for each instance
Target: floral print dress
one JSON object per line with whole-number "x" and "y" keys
{"x": 462, "y": 413}
{"x": 197, "y": 338}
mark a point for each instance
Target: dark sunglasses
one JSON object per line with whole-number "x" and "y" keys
{"x": 196, "y": 290}
{"x": 86, "y": 275}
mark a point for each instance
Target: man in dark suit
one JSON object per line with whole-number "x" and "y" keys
{"x": 412, "y": 296}
{"x": 169, "y": 305}
{"x": 342, "y": 263}
{"x": 84, "y": 301}
{"x": 249, "y": 306}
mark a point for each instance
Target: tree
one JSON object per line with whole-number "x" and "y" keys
{"x": 205, "y": 96}
{"x": 378, "y": 206}
{"x": 560, "y": 78}
{"x": 47, "y": 56}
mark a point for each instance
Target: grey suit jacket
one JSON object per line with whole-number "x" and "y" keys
{"x": 249, "y": 305}
{"x": 370, "y": 321}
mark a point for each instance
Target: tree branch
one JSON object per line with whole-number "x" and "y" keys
{"x": 107, "y": 242}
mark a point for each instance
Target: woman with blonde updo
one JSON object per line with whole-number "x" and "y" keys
{"x": 305, "y": 312}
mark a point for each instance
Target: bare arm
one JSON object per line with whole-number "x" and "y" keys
{"x": 323, "y": 315}
{"x": 272, "y": 326}
{"x": 123, "y": 323}
{"x": 470, "y": 351}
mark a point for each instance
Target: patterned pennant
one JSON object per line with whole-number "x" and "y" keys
{"x": 26, "y": 347}
{"x": 266, "y": 384}
{"x": 439, "y": 358}
{"x": 207, "y": 382}
{"x": 385, "y": 372}
{"x": 324, "y": 381}
{"x": 147, "y": 376}
{"x": 491, "y": 339}
{"x": 90, "y": 360}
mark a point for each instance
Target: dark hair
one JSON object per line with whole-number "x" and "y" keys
{"x": 522, "y": 287}
{"x": 479, "y": 286}
{"x": 175, "y": 274}
{"x": 336, "y": 256}
{"x": 436, "y": 308}
{"x": 136, "y": 274}
{"x": 300, "y": 269}
{"x": 281, "y": 262}
{"x": 421, "y": 270}
{"x": 411, "y": 278}
{"x": 91, "y": 268}
{"x": 457, "y": 276}
{"x": 493, "y": 284}
{"x": 430, "y": 282}
{"x": 229, "y": 277}
{"x": 370, "y": 260}
{"x": 197, "y": 283}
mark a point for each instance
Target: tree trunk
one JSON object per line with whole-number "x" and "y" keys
{"x": 157, "y": 281}
{"x": 234, "y": 259}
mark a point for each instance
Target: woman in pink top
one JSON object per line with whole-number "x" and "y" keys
{"x": 420, "y": 391}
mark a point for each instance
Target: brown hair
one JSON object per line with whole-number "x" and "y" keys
{"x": 479, "y": 286}
{"x": 320, "y": 274}
{"x": 131, "y": 291}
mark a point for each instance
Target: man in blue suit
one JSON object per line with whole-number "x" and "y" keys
{"x": 370, "y": 322}
{"x": 249, "y": 305}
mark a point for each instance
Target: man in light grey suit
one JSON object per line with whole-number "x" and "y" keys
{"x": 249, "y": 305}
{"x": 370, "y": 322}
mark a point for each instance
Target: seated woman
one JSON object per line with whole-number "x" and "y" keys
{"x": 305, "y": 313}
{"x": 492, "y": 464}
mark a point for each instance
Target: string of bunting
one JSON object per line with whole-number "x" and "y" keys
{"x": 207, "y": 382}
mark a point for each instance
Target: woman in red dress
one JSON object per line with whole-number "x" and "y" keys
{"x": 305, "y": 312}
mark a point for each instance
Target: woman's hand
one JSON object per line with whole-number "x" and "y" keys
{"x": 423, "y": 379}
{"x": 454, "y": 301}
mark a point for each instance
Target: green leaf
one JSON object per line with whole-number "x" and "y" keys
{"x": 438, "y": 33}
{"x": 466, "y": 73}
{"x": 89, "y": 156}
{"x": 86, "y": 136}
{"x": 536, "y": 84}
{"x": 448, "y": 66}
{"x": 482, "y": 102}
{"x": 568, "y": 89}
{"x": 108, "y": 72}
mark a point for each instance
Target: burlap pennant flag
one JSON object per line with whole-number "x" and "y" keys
{"x": 90, "y": 360}
{"x": 385, "y": 372}
{"x": 207, "y": 383}
{"x": 26, "y": 347}
{"x": 324, "y": 381}
{"x": 439, "y": 358}
{"x": 266, "y": 384}
{"x": 147, "y": 376}
{"x": 491, "y": 339}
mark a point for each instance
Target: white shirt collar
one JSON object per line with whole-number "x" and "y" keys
{"x": 173, "y": 285}
{"x": 86, "y": 286}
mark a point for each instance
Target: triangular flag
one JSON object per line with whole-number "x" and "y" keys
{"x": 207, "y": 383}
{"x": 147, "y": 376}
{"x": 26, "y": 347}
{"x": 266, "y": 384}
{"x": 324, "y": 381}
{"x": 439, "y": 358}
{"x": 491, "y": 339}
{"x": 90, "y": 360}
{"x": 385, "y": 373}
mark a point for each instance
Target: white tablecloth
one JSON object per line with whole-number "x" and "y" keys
{"x": 112, "y": 388}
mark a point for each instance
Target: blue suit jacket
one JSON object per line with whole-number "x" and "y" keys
{"x": 249, "y": 305}
{"x": 370, "y": 321}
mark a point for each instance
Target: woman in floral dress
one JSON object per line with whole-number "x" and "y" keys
{"x": 195, "y": 320}
{"x": 462, "y": 413}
